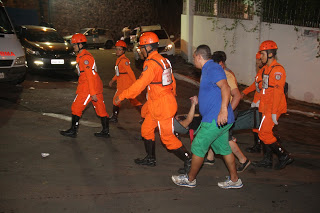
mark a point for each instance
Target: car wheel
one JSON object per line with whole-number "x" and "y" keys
{"x": 108, "y": 44}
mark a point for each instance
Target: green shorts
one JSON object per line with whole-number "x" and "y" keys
{"x": 211, "y": 135}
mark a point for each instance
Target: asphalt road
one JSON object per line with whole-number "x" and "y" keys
{"x": 90, "y": 174}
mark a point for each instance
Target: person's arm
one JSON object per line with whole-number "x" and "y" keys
{"x": 185, "y": 123}
{"x": 249, "y": 89}
{"x": 236, "y": 97}
{"x": 225, "y": 95}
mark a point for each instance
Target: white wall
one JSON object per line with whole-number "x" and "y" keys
{"x": 297, "y": 53}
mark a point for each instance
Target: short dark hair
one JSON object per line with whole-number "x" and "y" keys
{"x": 204, "y": 51}
{"x": 218, "y": 56}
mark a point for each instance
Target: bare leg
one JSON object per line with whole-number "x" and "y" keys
{"x": 230, "y": 162}
{"x": 210, "y": 155}
{"x": 237, "y": 152}
{"x": 196, "y": 164}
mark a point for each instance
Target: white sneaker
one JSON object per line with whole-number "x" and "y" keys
{"x": 229, "y": 184}
{"x": 183, "y": 180}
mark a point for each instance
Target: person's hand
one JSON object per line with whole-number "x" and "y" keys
{"x": 117, "y": 100}
{"x": 194, "y": 100}
{"x": 274, "y": 119}
{"x": 94, "y": 98}
{"x": 255, "y": 104}
{"x": 222, "y": 117}
{"x": 110, "y": 83}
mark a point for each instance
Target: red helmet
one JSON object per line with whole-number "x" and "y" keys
{"x": 268, "y": 45}
{"x": 121, "y": 43}
{"x": 258, "y": 55}
{"x": 78, "y": 38}
{"x": 148, "y": 38}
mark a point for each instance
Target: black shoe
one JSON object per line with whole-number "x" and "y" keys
{"x": 256, "y": 148}
{"x": 113, "y": 119}
{"x": 115, "y": 113}
{"x": 209, "y": 162}
{"x": 105, "y": 128}
{"x": 147, "y": 161}
{"x": 243, "y": 166}
{"x": 72, "y": 132}
{"x": 266, "y": 162}
{"x": 283, "y": 156}
{"x": 69, "y": 133}
{"x": 186, "y": 168}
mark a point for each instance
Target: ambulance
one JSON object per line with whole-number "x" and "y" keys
{"x": 12, "y": 56}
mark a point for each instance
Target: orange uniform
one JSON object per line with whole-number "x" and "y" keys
{"x": 124, "y": 77}
{"x": 272, "y": 100}
{"x": 89, "y": 84}
{"x": 161, "y": 104}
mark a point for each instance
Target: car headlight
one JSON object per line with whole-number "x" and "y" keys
{"x": 168, "y": 47}
{"x": 20, "y": 60}
{"x": 32, "y": 52}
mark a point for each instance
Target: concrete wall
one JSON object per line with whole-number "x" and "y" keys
{"x": 297, "y": 52}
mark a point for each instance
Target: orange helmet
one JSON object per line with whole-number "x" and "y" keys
{"x": 121, "y": 43}
{"x": 258, "y": 55}
{"x": 148, "y": 38}
{"x": 78, "y": 38}
{"x": 268, "y": 45}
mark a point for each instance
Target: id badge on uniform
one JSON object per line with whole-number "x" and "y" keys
{"x": 116, "y": 69}
{"x": 167, "y": 77}
{"x": 265, "y": 82}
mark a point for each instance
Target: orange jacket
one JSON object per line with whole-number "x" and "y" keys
{"x": 89, "y": 80}
{"x": 273, "y": 99}
{"x": 161, "y": 99}
{"x": 253, "y": 87}
{"x": 126, "y": 77}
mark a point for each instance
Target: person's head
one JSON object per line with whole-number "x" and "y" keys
{"x": 148, "y": 43}
{"x": 268, "y": 50}
{"x": 201, "y": 55}
{"x": 79, "y": 42}
{"x": 220, "y": 57}
{"x": 259, "y": 64}
{"x": 121, "y": 47}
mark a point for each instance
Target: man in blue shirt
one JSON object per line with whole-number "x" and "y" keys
{"x": 217, "y": 118}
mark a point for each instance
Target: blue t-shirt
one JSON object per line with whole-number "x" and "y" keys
{"x": 210, "y": 94}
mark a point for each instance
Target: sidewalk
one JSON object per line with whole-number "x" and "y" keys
{"x": 187, "y": 72}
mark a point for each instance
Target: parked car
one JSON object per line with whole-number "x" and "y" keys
{"x": 166, "y": 46}
{"x": 97, "y": 37}
{"x": 46, "y": 49}
{"x": 12, "y": 56}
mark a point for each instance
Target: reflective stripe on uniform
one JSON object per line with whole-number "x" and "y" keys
{"x": 86, "y": 101}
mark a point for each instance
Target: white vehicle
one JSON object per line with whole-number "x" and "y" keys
{"x": 97, "y": 37}
{"x": 12, "y": 57}
{"x": 166, "y": 46}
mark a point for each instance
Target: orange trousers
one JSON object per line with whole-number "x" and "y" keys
{"x": 165, "y": 130}
{"x": 265, "y": 130}
{"x": 83, "y": 99}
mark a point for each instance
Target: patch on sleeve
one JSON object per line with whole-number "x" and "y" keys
{"x": 145, "y": 68}
{"x": 127, "y": 63}
{"x": 86, "y": 62}
{"x": 87, "y": 67}
{"x": 278, "y": 75}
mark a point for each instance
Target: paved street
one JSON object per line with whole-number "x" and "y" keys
{"x": 90, "y": 174}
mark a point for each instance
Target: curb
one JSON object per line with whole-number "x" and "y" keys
{"x": 196, "y": 83}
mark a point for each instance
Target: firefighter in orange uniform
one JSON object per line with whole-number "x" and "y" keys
{"x": 89, "y": 89}
{"x": 124, "y": 77}
{"x": 161, "y": 104}
{"x": 255, "y": 86}
{"x": 272, "y": 104}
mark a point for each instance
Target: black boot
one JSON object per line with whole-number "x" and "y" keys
{"x": 105, "y": 128}
{"x": 257, "y": 145}
{"x": 283, "y": 156}
{"x": 115, "y": 113}
{"x": 150, "y": 159}
{"x": 266, "y": 162}
{"x": 72, "y": 132}
{"x": 185, "y": 156}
